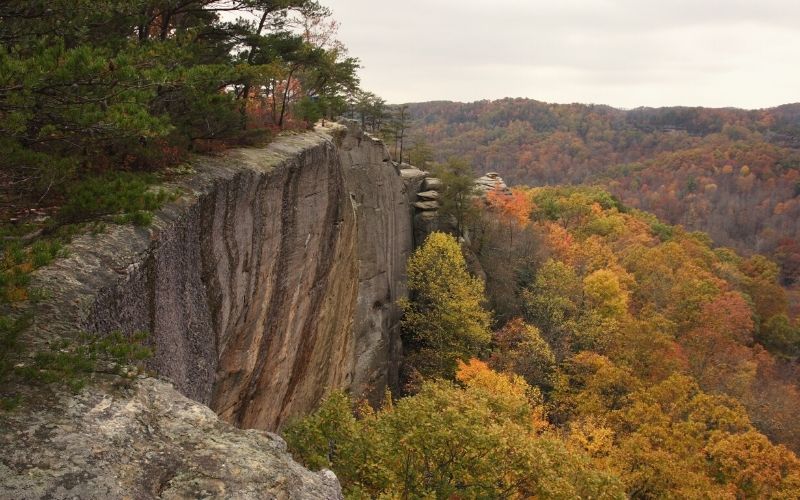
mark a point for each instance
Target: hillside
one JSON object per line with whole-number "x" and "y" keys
{"x": 625, "y": 358}
{"x": 732, "y": 173}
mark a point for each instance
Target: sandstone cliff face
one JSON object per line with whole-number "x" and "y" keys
{"x": 269, "y": 282}
{"x": 385, "y": 241}
{"x": 247, "y": 287}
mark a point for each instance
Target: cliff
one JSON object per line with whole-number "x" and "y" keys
{"x": 384, "y": 243}
{"x": 270, "y": 281}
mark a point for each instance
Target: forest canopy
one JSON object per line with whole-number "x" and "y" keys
{"x": 732, "y": 173}
{"x": 627, "y": 358}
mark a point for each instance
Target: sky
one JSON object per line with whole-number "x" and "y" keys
{"x": 625, "y": 53}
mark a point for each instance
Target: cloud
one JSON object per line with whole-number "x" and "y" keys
{"x": 621, "y": 52}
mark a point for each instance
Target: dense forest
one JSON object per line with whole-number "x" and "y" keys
{"x": 731, "y": 173}
{"x": 89, "y": 89}
{"x": 607, "y": 355}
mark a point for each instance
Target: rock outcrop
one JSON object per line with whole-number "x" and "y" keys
{"x": 247, "y": 286}
{"x": 147, "y": 442}
{"x": 489, "y": 182}
{"x": 272, "y": 280}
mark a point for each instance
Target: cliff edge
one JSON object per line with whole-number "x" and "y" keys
{"x": 269, "y": 282}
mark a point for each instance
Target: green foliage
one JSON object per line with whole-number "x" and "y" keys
{"x": 519, "y": 348}
{"x": 309, "y": 110}
{"x": 420, "y": 154}
{"x": 482, "y": 440}
{"x": 552, "y": 300}
{"x": 663, "y": 231}
{"x": 127, "y": 194}
{"x": 10, "y": 330}
{"x": 444, "y": 320}
{"x": 570, "y": 204}
{"x": 370, "y": 110}
{"x": 17, "y": 261}
{"x": 780, "y": 335}
{"x": 89, "y": 87}
{"x": 69, "y": 363}
{"x": 456, "y": 199}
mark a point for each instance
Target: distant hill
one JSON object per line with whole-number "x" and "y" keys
{"x": 732, "y": 173}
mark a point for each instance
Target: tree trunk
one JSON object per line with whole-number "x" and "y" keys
{"x": 285, "y": 97}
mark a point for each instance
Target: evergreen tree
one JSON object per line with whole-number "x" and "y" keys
{"x": 90, "y": 86}
{"x": 457, "y": 199}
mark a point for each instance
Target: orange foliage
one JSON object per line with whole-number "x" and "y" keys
{"x": 515, "y": 207}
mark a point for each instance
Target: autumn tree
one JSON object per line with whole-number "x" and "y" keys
{"x": 513, "y": 209}
{"x": 482, "y": 439}
{"x": 444, "y": 319}
{"x": 519, "y": 348}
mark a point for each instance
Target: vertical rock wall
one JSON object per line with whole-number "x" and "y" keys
{"x": 384, "y": 243}
{"x": 272, "y": 282}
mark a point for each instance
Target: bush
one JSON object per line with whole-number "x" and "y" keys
{"x": 124, "y": 193}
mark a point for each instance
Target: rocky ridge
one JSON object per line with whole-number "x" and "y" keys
{"x": 272, "y": 280}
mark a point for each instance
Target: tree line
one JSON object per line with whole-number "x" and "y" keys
{"x": 731, "y": 173}
{"x": 94, "y": 86}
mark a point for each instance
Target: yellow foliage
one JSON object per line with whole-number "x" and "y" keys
{"x": 604, "y": 292}
{"x": 446, "y": 316}
{"x": 592, "y": 435}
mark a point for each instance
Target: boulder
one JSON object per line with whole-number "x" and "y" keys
{"x": 427, "y": 206}
{"x": 428, "y": 195}
{"x": 411, "y": 173}
{"x": 432, "y": 184}
{"x": 489, "y": 182}
{"x": 145, "y": 441}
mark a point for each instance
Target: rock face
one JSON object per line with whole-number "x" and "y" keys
{"x": 384, "y": 243}
{"x": 247, "y": 286}
{"x": 151, "y": 442}
{"x": 272, "y": 280}
{"x": 489, "y": 182}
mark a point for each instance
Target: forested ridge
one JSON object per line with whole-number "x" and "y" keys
{"x": 607, "y": 355}
{"x": 731, "y": 173}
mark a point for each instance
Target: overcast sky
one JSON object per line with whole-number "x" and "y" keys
{"x": 626, "y": 53}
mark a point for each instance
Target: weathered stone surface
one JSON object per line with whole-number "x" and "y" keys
{"x": 412, "y": 173}
{"x": 427, "y": 206}
{"x": 272, "y": 280}
{"x": 148, "y": 442}
{"x": 489, "y": 182}
{"x": 428, "y": 195}
{"x": 385, "y": 241}
{"x": 432, "y": 184}
{"x": 247, "y": 286}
